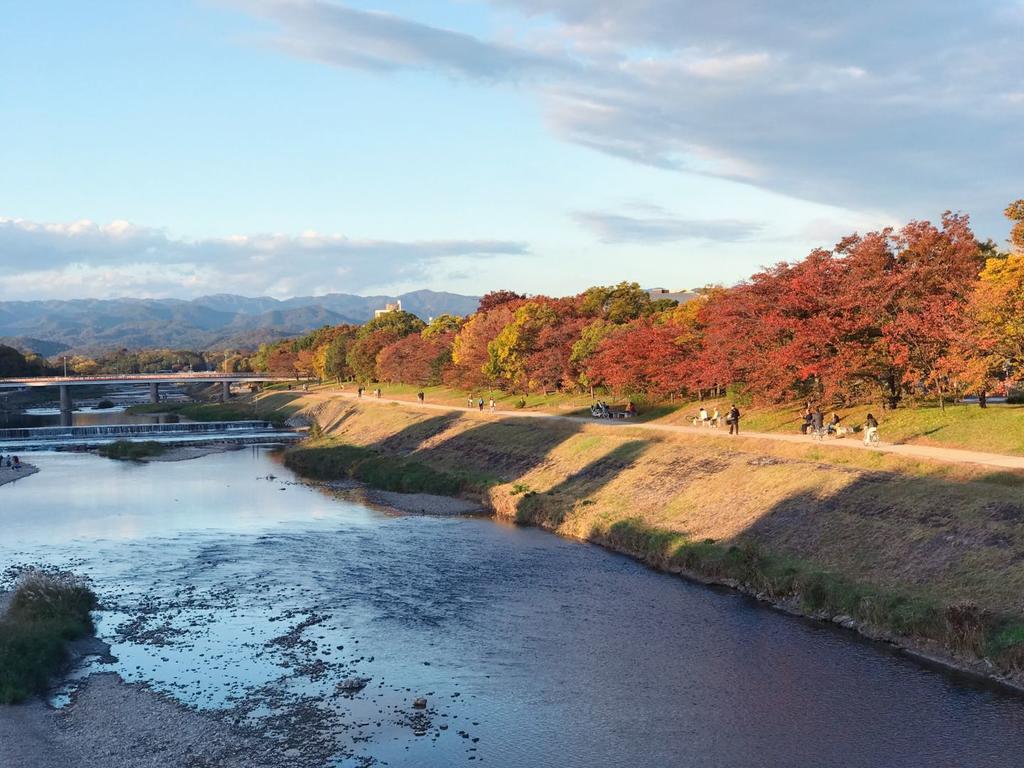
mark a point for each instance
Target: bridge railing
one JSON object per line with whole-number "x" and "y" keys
{"x": 193, "y": 376}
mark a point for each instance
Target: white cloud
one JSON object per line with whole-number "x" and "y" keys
{"x": 864, "y": 106}
{"x": 655, "y": 226}
{"x": 84, "y": 258}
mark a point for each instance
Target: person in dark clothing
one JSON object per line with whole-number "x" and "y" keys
{"x": 733, "y": 420}
{"x": 833, "y": 424}
{"x": 817, "y": 420}
{"x": 480, "y": 403}
{"x": 808, "y": 422}
{"x": 420, "y": 396}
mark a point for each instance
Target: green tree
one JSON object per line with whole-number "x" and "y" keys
{"x": 442, "y": 324}
{"x": 617, "y": 303}
{"x": 399, "y": 323}
{"x": 506, "y": 355}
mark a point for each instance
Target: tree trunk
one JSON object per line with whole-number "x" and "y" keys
{"x": 983, "y": 399}
{"x": 894, "y": 393}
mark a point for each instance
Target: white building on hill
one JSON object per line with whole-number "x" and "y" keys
{"x": 389, "y": 307}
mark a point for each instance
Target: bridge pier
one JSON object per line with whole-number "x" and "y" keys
{"x": 225, "y": 391}
{"x": 154, "y": 393}
{"x": 66, "y": 406}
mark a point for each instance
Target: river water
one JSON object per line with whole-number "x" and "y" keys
{"x": 233, "y": 588}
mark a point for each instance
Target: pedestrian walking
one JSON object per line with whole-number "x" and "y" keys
{"x": 493, "y": 404}
{"x": 481, "y": 404}
{"x": 733, "y": 420}
{"x": 419, "y": 396}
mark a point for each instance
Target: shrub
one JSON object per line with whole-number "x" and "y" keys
{"x": 1007, "y": 647}
{"x": 128, "y": 450}
{"x": 47, "y": 610}
{"x": 331, "y": 462}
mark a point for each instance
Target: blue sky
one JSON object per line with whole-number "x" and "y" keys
{"x": 290, "y": 147}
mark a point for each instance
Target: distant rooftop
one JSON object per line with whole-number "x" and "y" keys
{"x": 682, "y": 295}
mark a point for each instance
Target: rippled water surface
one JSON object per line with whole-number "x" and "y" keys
{"x": 257, "y": 597}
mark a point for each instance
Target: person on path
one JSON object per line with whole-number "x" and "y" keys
{"x": 481, "y": 404}
{"x": 716, "y": 419}
{"x": 17, "y": 463}
{"x": 419, "y": 396}
{"x": 733, "y": 420}
{"x": 833, "y": 424}
{"x": 817, "y": 420}
{"x": 870, "y": 430}
{"x": 359, "y": 392}
{"x": 469, "y": 401}
{"x": 493, "y": 405}
{"x": 702, "y": 414}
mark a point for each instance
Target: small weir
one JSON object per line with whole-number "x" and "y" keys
{"x": 43, "y": 438}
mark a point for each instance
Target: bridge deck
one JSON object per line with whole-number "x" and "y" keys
{"x": 139, "y": 378}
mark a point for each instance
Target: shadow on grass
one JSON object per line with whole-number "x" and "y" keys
{"x": 550, "y": 507}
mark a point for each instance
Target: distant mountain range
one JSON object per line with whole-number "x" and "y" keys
{"x": 209, "y": 322}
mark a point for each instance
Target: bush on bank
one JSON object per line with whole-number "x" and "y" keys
{"x": 389, "y": 473}
{"x": 47, "y": 610}
{"x": 129, "y": 450}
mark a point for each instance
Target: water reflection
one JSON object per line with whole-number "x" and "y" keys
{"x": 229, "y": 586}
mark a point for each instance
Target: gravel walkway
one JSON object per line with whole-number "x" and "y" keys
{"x": 949, "y": 455}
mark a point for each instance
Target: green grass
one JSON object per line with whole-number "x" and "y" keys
{"x": 328, "y": 461}
{"x": 47, "y": 610}
{"x": 129, "y": 450}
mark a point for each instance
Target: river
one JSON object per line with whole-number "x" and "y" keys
{"x": 230, "y": 586}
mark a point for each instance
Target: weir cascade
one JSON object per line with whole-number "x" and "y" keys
{"x": 25, "y": 438}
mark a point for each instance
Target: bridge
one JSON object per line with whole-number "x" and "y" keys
{"x": 154, "y": 380}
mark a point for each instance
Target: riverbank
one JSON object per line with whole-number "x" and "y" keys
{"x": 8, "y": 475}
{"x": 113, "y": 723}
{"x": 922, "y": 554}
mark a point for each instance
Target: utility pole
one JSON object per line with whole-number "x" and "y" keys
{"x": 65, "y": 366}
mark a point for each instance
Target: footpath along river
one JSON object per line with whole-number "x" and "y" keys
{"x": 256, "y": 597}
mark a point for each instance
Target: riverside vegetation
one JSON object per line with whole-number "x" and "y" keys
{"x": 47, "y": 609}
{"x": 132, "y": 450}
{"x": 924, "y": 554}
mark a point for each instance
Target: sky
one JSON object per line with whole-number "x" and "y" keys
{"x": 176, "y": 148}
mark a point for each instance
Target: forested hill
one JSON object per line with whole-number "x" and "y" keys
{"x": 85, "y": 325}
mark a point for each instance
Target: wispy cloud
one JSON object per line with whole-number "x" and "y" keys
{"x": 816, "y": 100}
{"x": 661, "y": 227}
{"x": 61, "y": 259}
{"x": 342, "y": 36}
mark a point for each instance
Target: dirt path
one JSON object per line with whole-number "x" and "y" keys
{"x": 949, "y": 455}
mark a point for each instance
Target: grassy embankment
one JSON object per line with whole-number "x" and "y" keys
{"x": 996, "y": 429}
{"x": 46, "y": 611}
{"x": 929, "y": 554}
